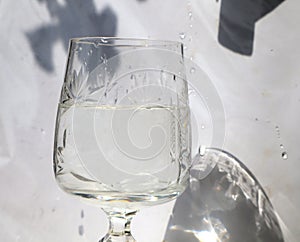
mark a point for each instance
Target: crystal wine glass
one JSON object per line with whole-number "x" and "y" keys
{"x": 122, "y": 137}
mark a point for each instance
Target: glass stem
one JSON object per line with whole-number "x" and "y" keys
{"x": 119, "y": 226}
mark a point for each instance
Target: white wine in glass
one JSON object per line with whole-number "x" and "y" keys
{"x": 123, "y": 126}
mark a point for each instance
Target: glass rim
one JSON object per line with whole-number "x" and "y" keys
{"x": 124, "y": 41}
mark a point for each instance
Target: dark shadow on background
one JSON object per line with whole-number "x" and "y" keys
{"x": 75, "y": 18}
{"x": 224, "y": 203}
{"x": 237, "y": 22}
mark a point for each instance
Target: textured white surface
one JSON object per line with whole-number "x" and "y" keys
{"x": 259, "y": 93}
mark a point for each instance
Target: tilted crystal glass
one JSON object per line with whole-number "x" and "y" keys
{"x": 224, "y": 202}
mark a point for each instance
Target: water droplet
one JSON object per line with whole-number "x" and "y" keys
{"x": 191, "y": 91}
{"x": 84, "y": 63}
{"x": 202, "y": 126}
{"x": 191, "y": 26}
{"x": 43, "y": 131}
{"x": 192, "y": 70}
{"x": 132, "y": 77}
{"x": 281, "y": 146}
{"x": 79, "y": 48}
{"x": 103, "y": 40}
{"x": 190, "y": 15}
{"x": 82, "y": 213}
{"x": 278, "y": 131}
{"x": 202, "y": 150}
{"x": 184, "y": 47}
{"x": 182, "y": 35}
{"x": 90, "y": 52}
{"x": 81, "y": 230}
{"x": 284, "y": 155}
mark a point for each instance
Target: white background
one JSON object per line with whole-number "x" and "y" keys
{"x": 260, "y": 94}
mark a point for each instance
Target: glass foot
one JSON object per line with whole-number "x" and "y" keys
{"x": 125, "y": 238}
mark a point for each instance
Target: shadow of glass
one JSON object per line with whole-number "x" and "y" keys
{"x": 223, "y": 203}
{"x": 73, "y": 19}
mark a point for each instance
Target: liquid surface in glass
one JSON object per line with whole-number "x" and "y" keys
{"x": 130, "y": 155}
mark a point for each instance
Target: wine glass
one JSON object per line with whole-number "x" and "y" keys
{"x": 122, "y": 137}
